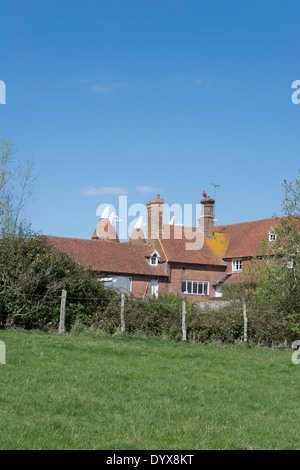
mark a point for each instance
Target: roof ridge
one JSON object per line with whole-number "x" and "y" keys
{"x": 90, "y": 240}
{"x": 69, "y": 238}
{"x": 251, "y": 221}
{"x": 237, "y": 223}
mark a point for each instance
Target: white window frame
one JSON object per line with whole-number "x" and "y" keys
{"x": 155, "y": 259}
{"x": 237, "y": 265}
{"x": 196, "y": 287}
{"x": 272, "y": 236}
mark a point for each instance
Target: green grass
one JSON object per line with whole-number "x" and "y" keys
{"x": 105, "y": 393}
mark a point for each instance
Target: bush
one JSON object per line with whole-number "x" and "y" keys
{"x": 162, "y": 317}
{"x": 273, "y": 329}
{"x": 32, "y": 276}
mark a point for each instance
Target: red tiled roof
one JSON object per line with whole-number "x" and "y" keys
{"x": 176, "y": 246}
{"x": 245, "y": 237}
{"x": 240, "y": 240}
{"x": 244, "y": 241}
{"x": 107, "y": 257}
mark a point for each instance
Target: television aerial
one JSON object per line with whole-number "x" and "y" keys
{"x": 215, "y": 188}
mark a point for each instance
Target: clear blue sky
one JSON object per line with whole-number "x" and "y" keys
{"x": 171, "y": 94}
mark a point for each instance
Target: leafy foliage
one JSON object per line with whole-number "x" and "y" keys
{"x": 162, "y": 317}
{"x": 279, "y": 272}
{"x": 291, "y": 199}
{"x": 272, "y": 282}
{"x": 32, "y": 276}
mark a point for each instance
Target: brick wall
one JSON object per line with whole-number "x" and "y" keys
{"x": 141, "y": 285}
{"x": 193, "y": 273}
{"x": 246, "y": 262}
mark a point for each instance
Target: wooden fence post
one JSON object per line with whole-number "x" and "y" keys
{"x": 2, "y": 353}
{"x": 123, "y": 328}
{"x": 245, "y": 322}
{"x": 184, "y": 321}
{"x": 62, "y": 320}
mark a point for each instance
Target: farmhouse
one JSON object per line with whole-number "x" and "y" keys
{"x": 193, "y": 262}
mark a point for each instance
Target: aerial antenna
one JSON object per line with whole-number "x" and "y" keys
{"x": 215, "y": 188}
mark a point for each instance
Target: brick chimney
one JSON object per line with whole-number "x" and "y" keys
{"x": 155, "y": 209}
{"x": 206, "y": 219}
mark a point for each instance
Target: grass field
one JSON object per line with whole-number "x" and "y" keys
{"x": 105, "y": 393}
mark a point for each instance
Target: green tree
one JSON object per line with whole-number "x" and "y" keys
{"x": 32, "y": 276}
{"x": 279, "y": 275}
{"x": 32, "y": 273}
{"x": 291, "y": 199}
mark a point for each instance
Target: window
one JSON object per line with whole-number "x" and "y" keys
{"x": 237, "y": 265}
{"x": 154, "y": 286}
{"x": 154, "y": 260}
{"x": 195, "y": 287}
{"x": 272, "y": 236}
{"x": 120, "y": 283}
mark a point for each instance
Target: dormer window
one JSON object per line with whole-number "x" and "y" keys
{"x": 237, "y": 265}
{"x": 272, "y": 236}
{"x": 154, "y": 260}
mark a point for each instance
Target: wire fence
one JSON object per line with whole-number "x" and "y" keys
{"x": 174, "y": 318}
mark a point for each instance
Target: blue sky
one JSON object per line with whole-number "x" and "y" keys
{"x": 111, "y": 96}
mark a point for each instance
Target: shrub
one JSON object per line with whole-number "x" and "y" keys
{"x": 32, "y": 276}
{"x": 163, "y": 317}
